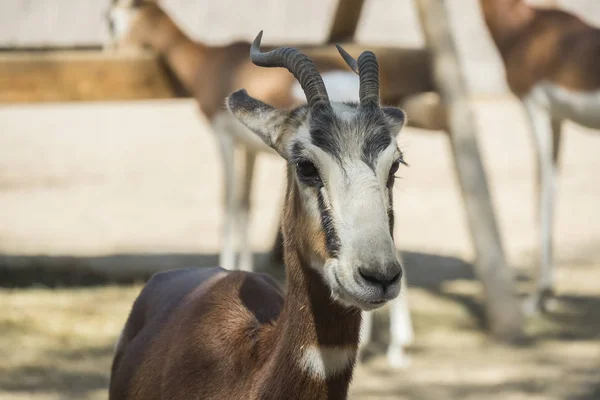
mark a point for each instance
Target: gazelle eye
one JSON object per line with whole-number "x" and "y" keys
{"x": 307, "y": 172}
{"x": 394, "y": 168}
{"x": 392, "y": 173}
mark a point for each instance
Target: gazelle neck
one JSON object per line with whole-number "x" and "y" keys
{"x": 315, "y": 339}
{"x": 181, "y": 53}
{"x": 506, "y": 20}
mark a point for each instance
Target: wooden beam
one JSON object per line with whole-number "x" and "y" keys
{"x": 345, "y": 21}
{"x": 89, "y": 75}
{"x": 504, "y": 315}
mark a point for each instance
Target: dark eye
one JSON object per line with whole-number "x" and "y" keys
{"x": 393, "y": 170}
{"x": 307, "y": 172}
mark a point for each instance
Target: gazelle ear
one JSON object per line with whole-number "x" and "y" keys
{"x": 266, "y": 121}
{"x": 395, "y": 117}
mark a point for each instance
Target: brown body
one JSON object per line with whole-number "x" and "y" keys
{"x": 212, "y": 73}
{"x": 543, "y": 45}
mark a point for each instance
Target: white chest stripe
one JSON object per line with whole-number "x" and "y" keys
{"x": 326, "y": 361}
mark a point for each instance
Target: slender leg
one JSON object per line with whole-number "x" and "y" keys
{"x": 546, "y": 303}
{"x": 226, "y": 145}
{"x": 556, "y": 139}
{"x": 401, "y": 330}
{"x": 544, "y": 132}
{"x": 244, "y": 212}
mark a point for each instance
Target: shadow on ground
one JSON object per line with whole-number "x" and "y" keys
{"x": 424, "y": 270}
{"x": 72, "y": 373}
{"x": 427, "y": 271}
{"x": 453, "y": 358}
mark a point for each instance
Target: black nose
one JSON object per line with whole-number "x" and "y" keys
{"x": 392, "y": 275}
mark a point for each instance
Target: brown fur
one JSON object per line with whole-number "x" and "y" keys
{"x": 543, "y": 45}
{"x": 211, "y": 73}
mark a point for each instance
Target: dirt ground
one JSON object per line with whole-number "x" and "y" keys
{"x": 58, "y": 343}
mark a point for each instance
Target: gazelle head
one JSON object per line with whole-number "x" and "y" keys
{"x": 134, "y": 23}
{"x": 342, "y": 158}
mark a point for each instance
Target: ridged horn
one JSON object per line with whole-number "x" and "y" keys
{"x": 302, "y": 67}
{"x": 367, "y": 69}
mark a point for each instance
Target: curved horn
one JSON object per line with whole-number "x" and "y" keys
{"x": 367, "y": 69}
{"x": 299, "y": 65}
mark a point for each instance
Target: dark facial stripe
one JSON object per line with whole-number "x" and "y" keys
{"x": 296, "y": 153}
{"x": 333, "y": 135}
{"x": 332, "y": 241}
{"x": 390, "y": 211}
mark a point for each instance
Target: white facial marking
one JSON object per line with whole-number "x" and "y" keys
{"x": 580, "y": 107}
{"x": 363, "y": 202}
{"x": 323, "y": 362}
{"x": 344, "y": 111}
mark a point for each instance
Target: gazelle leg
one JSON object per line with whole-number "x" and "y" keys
{"x": 544, "y": 134}
{"x": 227, "y": 255}
{"x": 556, "y": 140}
{"x": 547, "y": 274}
{"x": 244, "y": 211}
{"x": 401, "y": 329}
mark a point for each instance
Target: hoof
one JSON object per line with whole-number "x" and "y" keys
{"x": 547, "y": 301}
{"x": 542, "y": 302}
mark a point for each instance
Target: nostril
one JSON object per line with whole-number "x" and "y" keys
{"x": 380, "y": 279}
{"x": 367, "y": 277}
{"x": 396, "y": 278}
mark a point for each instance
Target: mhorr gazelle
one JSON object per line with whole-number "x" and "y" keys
{"x": 552, "y": 62}
{"x": 210, "y": 73}
{"x": 220, "y": 334}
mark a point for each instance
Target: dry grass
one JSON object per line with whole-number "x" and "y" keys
{"x": 57, "y": 344}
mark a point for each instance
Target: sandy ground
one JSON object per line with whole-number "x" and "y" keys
{"x": 144, "y": 179}
{"x": 57, "y": 344}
